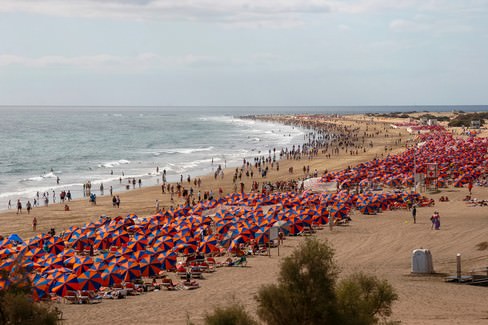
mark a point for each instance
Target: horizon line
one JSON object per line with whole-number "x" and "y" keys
{"x": 240, "y": 106}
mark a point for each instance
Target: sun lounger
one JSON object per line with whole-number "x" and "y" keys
{"x": 168, "y": 284}
{"x": 132, "y": 289}
{"x": 115, "y": 294}
{"x": 90, "y": 297}
{"x": 72, "y": 298}
{"x": 190, "y": 285}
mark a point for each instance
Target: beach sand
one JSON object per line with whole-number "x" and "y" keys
{"x": 380, "y": 245}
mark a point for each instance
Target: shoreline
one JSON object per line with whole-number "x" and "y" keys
{"x": 145, "y": 169}
{"x": 142, "y": 201}
{"x": 379, "y": 244}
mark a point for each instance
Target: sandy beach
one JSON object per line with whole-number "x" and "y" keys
{"x": 376, "y": 244}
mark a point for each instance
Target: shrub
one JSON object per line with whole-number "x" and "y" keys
{"x": 234, "y": 314}
{"x": 364, "y": 299}
{"x": 305, "y": 290}
{"x": 17, "y": 306}
{"x": 307, "y": 293}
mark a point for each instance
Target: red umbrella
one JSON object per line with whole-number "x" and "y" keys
{"x": 150, "y": 266}
{"x": 65, "y": 283}
{"x": 262, "y": 235}
{"x": 56, "y": 245}
{"x": 111, "y": 276}
{"x": 40, "y": 287}
{"x": 90, "y": 280}
{"x": 185, "y": 249}
{"x": 168, "y": 260}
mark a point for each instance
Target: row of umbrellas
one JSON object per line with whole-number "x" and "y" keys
{"x": 460, "y": 160}
{"x": 134, "y": 247}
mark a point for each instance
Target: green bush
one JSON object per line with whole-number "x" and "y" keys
{"x": 234, "y": 314}
{"x": 465, "y": 119}
{"x": 364, "y": 299}
{"x": 307, "y": 293}
{"x": 17, "y": 306}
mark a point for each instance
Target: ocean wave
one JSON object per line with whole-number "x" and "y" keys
{"x": 40, "y": 178}
{"x": 112, "y": 164}
{"x": 157, "y": 152}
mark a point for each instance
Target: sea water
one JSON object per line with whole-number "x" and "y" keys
{"x": 102, "y": 145}
{"x": 38, "y": 145}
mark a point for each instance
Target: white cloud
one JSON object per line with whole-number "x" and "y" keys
{"x": 423, "y": 23}
{"x": 404, "y": 25}
{"x": 283, "y": 12}
{"x": 434, "y": 6}
{"x": 143, "y": 61}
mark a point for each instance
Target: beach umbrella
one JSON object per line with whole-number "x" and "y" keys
{"x": 82, "y": 266}
{"x": 338, "y": 211}
{"x": 208, "y": 245}
{"x": 90, "y": 280}
{"x": 120, "y": 238}
{"x": 368, "y": 209}
{"x": 40, "y": 287}
{"x": 29, "y": 265}
{"x": 82, "y": 243}
{"x": 168, "y": 260}
{"x": 7, "y": 265}
{"x": 55, "y": 245}
{"x": 321, "y": 218}
{"x": 50, "y": 261}
{"x": 66, "y": 282}
{"x": 150, "y": 266}
{"x": 296, "y": 227}
{"x": 111, "y": 276}
{"x": 137, "y": 244}
{"x": 262, "y": 235}
{"x": 6, "y": 252}
{"x": 164, "y": 243}
{"x": 185, "y": 249}
{"x": 56, "y": 272}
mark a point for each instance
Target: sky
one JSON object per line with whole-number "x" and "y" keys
{"x": 243, "y": 52}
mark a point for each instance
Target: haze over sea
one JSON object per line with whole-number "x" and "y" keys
{"x": 80, "y": 144}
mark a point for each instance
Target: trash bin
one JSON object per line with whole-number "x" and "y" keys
{"x": 422, "y": 261}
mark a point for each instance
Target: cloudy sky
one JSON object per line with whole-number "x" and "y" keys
{"x": 243, "y": 52}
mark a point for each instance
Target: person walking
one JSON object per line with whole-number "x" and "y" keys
{"x": 19, "y": 207}
{"x": 28, "y": 206}
{"x": 414, "y": 213}
{"x": 34, "y": 224}
{"x": 436, "y": 221}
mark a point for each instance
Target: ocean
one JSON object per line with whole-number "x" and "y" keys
{"x": 38, "y": 145}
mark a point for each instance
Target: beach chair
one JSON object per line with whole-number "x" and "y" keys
{"x": 190, "y": 285}
{"x": 212, "y": 263}
{"x": 90, "y": 297}
{"x": 71, "y": 297}
{"x": 181, "y": 272}
{"x": 132, "y": 289}
{"x": 196, "y": 272}
{"x": 168, "y": 284}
